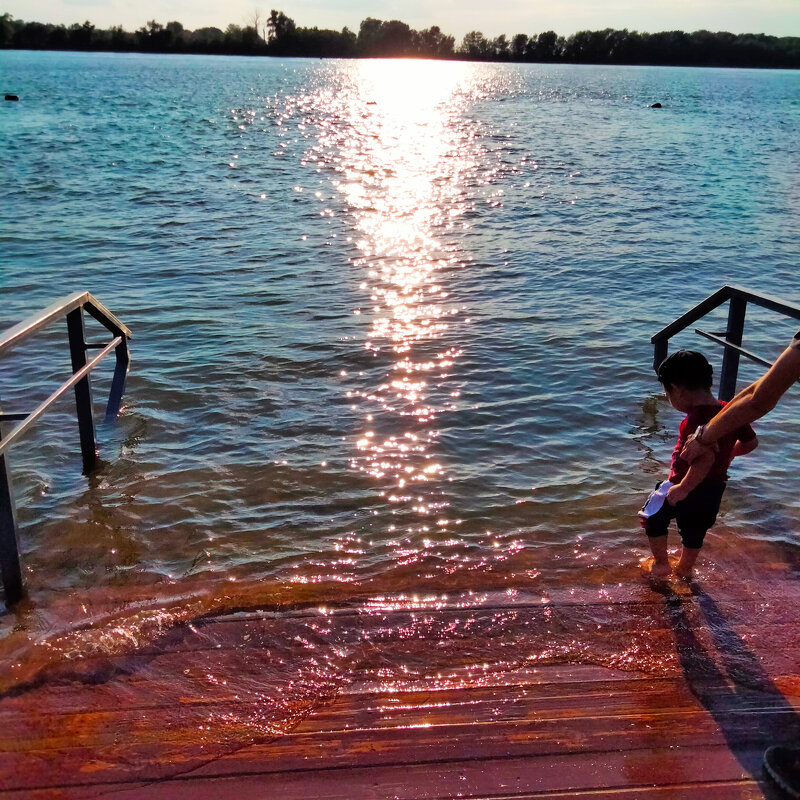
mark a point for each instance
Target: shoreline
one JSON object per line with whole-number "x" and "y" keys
{"x": 455, "y": 59}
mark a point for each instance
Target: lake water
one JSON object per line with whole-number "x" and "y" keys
{"x": 391, "y": 328}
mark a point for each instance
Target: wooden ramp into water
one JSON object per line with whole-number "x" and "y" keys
{"x": 544, "y": 730}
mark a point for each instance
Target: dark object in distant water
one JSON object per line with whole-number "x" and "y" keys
{"x": 12, "y": 97}
{"x": 656, "y": 105}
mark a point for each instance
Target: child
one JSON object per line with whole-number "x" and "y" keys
{"x": 693, "y": 492}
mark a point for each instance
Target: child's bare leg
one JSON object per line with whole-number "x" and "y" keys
{"x": 661, "y": 567}
{"x": 684, "y": 567}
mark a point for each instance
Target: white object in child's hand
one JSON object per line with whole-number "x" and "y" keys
{"x": 655, "y": 502}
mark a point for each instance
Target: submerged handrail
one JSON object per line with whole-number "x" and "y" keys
{"x": 732, "y": 341}
{"x": 71, "y": 308}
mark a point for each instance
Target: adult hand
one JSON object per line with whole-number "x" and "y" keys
{"x": 693, "y": 449}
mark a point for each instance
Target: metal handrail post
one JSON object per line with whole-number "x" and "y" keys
{"x": 10, "y": 567}
{"x": 660, "y": 351}
{"x": 730, "y": 358}
{"x": 83, "y": 391}
{"x": 123, "y": 361}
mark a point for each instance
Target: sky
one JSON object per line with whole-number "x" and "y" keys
{"x": 454, "y": 17}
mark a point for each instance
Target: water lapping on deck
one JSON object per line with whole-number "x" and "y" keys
{"x": 415, "y": 631}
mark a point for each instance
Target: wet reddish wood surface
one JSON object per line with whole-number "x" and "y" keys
{"x": 548, "y": 730}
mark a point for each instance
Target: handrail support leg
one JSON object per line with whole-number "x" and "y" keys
{"x": 10, "y": 567}
{"x": 730, "y": 359}
{"x": 83, "y": 392}
{"x": 118, "y": 381}
{"x": 660, "y": 350}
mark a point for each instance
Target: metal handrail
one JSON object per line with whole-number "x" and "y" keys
{"x": 71, "y": 308}
{"x": 732, "y": 341}
{"x": 60, "y": 309}
{"x": 31, "y": 417}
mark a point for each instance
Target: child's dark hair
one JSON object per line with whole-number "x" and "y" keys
{"x": 686, "y": 368}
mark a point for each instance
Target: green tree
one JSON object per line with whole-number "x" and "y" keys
{"x": 396, "y": 39}
{"x": 546, "y": 47}
{"x": 475, "y": 45}
{"x": 519, "y": 46}
{"x": 368, "y": 35}
{"x": 279, "y": 26}
{"x": 207, "y": 40}
{"x": 500, "y": 46}
{"x": 386, "y": 39}
{"x": 435, "y": 44}
{"x": 7, "y": 30}
{"x": 81, "y": 36}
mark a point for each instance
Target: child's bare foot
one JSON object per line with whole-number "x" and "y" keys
{"x": 685, "y": 566}
{"x": 660, "y": 570}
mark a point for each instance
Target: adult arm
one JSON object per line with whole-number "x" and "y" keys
{"x": 751, "y": 403}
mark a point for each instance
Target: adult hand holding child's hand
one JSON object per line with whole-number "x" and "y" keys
{"x": 693, "y": 449}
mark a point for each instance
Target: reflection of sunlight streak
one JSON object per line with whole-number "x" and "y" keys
{"x": 401, "y": 178}
{"x": 402, "y": 155}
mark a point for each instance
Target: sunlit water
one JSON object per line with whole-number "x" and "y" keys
{"x": 391, "y": 344}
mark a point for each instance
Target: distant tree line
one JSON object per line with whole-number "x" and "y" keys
{"x": 277, "y": 35}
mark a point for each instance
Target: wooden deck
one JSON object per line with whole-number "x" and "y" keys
{"x": 694, "y": 729}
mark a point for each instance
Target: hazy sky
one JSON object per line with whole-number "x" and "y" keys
{"x": 456, "y": 17}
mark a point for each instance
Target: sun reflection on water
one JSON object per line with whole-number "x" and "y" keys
{"x": 401, "y": 165}
{"x": 401, "y": 175}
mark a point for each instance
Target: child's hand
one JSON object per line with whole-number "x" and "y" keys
{"x": 676, "y": 493}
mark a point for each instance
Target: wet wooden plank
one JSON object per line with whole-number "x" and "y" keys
{"x": 708, "y": 772}
{"x": 143, "y": 747}
{"x": 374, "y": 788}
{"x": 42, "y": 731}
{"x": 51, "y": 716}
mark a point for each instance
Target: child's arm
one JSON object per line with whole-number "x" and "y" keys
{"x": 698, "y": 470}
{"x": 743, "y": 448}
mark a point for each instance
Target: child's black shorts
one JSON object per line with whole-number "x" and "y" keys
{"x": 694, "y": 515}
